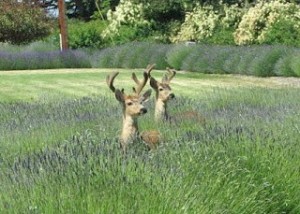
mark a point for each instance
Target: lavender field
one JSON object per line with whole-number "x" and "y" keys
{"x": 60, "y": 153}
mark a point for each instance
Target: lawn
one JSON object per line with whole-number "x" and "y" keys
{"x": 59, "y": 151}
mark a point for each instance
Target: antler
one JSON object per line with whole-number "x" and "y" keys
{"x": 168, "y": 77}
{"x": 110, "y": 80}
{"x": 149, "y": 69}
{"x": 140, "y": 84}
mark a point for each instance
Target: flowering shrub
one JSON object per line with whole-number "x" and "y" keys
{"x": 126, "y": 13}
{"x": 199, "y": 24}
{"x": 259, "y": 19}
{"x": 204, "y": 22}
{"x": 232, "y": 16}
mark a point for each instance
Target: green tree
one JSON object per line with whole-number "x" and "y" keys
{"x": 82, "y": 9}
{"x": 22, "y": 22}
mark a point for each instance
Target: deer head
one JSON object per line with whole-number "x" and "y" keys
{"x": 163, "y": 89}
{"x": 133, "y": 103}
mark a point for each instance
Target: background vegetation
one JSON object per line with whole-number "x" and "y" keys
{"x": 110, "y": 22}
{"x": 22, "y": 23}
{"x": 263, "y": 61}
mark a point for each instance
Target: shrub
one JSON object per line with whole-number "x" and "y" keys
{"x": 283, "y": 67}
{"x": 253, "y": 60}
{"x": 264, "y": 61}
{"x": 86, "y": 34}
{"x": 177, "y": 54}
{"x": 39, "y": 46}
{"x": 295, "y": 65}
{"x": 43, "y": 60}
{"x": 132, "y": 55}
{"x": 207, "y": 25}
{"x": 259, "y": 19}
{"x": 283, "y": 31}
{"x": 199, "y": 24}
{"x": 22, "y": 23}
{"x": 126, "y": 13}
{"x": 220, "y": 36}
{"x": 82, "y": 34}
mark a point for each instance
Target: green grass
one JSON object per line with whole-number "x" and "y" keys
{"x": 59, "y": 149}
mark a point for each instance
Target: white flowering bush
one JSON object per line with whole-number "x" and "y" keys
{"x": 126, "y": 13}
{"x": 232, "y": 16}
{"x": 203, "y": 22}
{"x": 199, "y": 24}
{"x": 258, "y": 20}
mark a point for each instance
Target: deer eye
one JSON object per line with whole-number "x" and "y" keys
{"x": 160, "y": 89}
{"x": 129, "y": 103}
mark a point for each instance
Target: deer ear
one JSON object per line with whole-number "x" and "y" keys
{"x": 153, "y": 83}
{"x": 146, "y": 95}
{"x": 119, "y": 95}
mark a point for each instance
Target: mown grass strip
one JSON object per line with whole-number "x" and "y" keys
{"x": 36, "y": 84}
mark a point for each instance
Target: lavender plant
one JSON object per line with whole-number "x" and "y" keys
{"x": 43, "y": 60}
{"x": 245, "y": 154}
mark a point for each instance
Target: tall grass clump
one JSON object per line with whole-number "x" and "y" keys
{"x": 132, "y": 55}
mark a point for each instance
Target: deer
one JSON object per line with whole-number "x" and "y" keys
{"x": 163, "y": 94}
{"x": 132, "y": 108}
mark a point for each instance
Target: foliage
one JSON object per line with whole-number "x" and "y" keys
{"x": 177, "y": 55}
{"x": 27, "y": 60}
{"x": 248, "y": 60}
{"x": 283, "y": 31}
{"x": 265, "y": 60}
{"x": 253, "y": 60}
{"x": 198, "y": 24}
{"x": 295, "y": 64}
{"x": 22, "y": 23}
{"x": 126, "y": 13}
{"x": 209, "y": 25}
{"x": 259, "y": 19}
{"x": 86, "y": 34}
{"x": 39, "y": 46}
{"x": 220, "y": 36}
{"x": 132, "y": 55}
{"x": 82, "y": 34}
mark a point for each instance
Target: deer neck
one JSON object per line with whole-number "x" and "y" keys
{"x": 130, "y": 129}
{"x": 160, "y": 110}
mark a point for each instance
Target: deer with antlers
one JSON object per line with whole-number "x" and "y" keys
{"x": 133, "y": 107}
{"x": 164, "y": 93}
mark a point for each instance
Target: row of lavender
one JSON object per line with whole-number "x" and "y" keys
{"x": 249, "y": 60}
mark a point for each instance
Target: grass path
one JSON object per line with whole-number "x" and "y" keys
{"x": 38, "y": 84}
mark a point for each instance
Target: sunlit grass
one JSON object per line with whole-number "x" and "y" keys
{"x": 37, "y": 84}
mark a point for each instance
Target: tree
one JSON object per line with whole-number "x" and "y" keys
{"x": 82, "y": 9}
{"x": 22, "y": 22}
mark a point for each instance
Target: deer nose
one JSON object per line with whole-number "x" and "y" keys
{"x": 143, "y": 111}
{"x": 172, "y": 96}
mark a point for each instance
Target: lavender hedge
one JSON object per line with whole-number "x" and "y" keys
{"x": 43, "y": 60}
{"x": 247, "y": 60}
